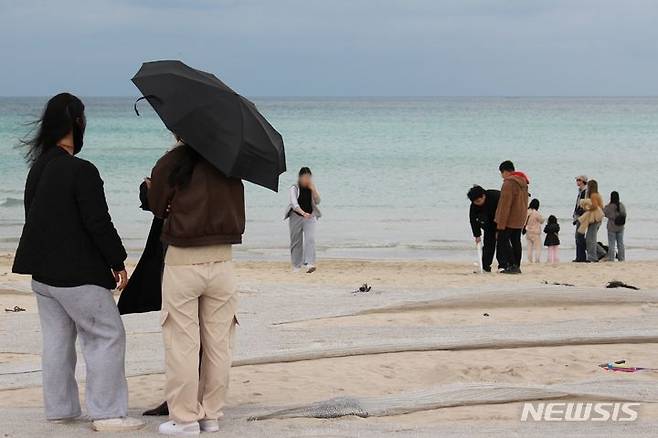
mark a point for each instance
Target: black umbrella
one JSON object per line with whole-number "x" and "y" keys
{"x": 224, "y": 127}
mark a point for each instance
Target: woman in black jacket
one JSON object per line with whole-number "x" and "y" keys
{"x": 73, "y": 252}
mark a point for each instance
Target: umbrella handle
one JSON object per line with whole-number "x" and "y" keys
{"x": 152, "y": 96}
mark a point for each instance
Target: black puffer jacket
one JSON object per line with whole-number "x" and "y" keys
{"x": 552, "y": 231}
{"x": 68, "y": 239}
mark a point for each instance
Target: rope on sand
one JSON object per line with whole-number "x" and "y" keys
{"x": 438, "y": 345}
{"x": 543, "y": 296}
{"x": 419, "y": 346}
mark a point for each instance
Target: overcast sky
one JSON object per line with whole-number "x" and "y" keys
{"x": 336, "y": 47}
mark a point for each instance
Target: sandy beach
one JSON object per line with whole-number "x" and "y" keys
{"x": 329, "y": 183}
{"x": 425, "y": 326}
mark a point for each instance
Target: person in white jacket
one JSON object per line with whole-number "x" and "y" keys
{"x": 533, "y": 225}
{"x": 303, "y": 213}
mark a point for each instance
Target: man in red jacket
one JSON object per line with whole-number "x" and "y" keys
{"x": 511, "y": 216}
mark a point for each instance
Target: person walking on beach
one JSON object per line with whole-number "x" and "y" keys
{"x": 593, "y": 206}
{"x": 510, "y": 216}
{"x": 482, "y": 215}
{"x": 533, "y": 225}
{"x": 303, "y": 214}
{"x": 615, "y": 211}
{"x": 75, "y": 257}
{"x": 552, "y": 241}
{"x": 203, "y": 213}
{"x": 581, "y": 244}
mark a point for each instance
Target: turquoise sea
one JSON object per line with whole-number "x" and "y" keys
{"x": 393, "y": 172}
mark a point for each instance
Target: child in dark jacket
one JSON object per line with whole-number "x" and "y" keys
{"x": 552, "y": 241}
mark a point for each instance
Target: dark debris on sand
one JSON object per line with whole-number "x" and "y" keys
{"x": 616, "y": 284}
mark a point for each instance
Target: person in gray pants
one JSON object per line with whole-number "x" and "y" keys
{"x": 615, "y": 211}
{"x": 74, "y": 254}
{"x": 90, "y": 312}
{"x": 303, "y": 214}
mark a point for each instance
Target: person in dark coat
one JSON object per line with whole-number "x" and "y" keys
{"x": 144, "y": 290}
{"x": 75, "y": 257}
{"x": 482, "y": 218}
{"x": 552, "y": 241}
{"x": 581, "y": 244}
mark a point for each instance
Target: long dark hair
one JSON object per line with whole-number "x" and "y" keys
{"x": 614, "y": 199}
{"x": 62, "y": 114}
{"x": 303, "y": 171}
{"x": 534, "y": 204}
{"x": 181, "y": 174}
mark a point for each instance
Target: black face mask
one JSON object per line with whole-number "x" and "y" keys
{"x": 78, "y": 135}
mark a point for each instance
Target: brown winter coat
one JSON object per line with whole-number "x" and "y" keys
{"x": 209, "y": 210}
{"x": 512, "y": 208}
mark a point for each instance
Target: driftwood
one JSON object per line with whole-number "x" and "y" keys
{"x": 446, "y": 396}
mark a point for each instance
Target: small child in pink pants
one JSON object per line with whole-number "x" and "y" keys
{"x": 532, "y": 231}
{"x": 552, "y": 241}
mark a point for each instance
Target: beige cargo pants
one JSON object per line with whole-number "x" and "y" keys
{"x": 199, "y": 303}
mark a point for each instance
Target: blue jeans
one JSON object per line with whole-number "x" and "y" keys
{"x": 592, "y": 243}
{"x": 616, "y": 238}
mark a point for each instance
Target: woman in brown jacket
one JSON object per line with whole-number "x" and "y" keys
{"x": 596, "y": 204}
{"x": 204, "y": 216}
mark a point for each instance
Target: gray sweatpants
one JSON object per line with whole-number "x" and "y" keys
{"x": 302, "y": 240}
{"x": 91, "y": 312}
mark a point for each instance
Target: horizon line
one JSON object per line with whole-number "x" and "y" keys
{"x": 383, "y": 96}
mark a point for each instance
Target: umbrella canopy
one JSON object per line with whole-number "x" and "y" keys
{"x": 224, "y": 127}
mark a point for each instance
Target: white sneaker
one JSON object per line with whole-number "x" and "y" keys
{"x": 208, "y": 425}
{"x": 181, "y": 429}
{"x": 310, "y": 269}
{"x": 122, "y": 424}
{"x": 295, "y": 270}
